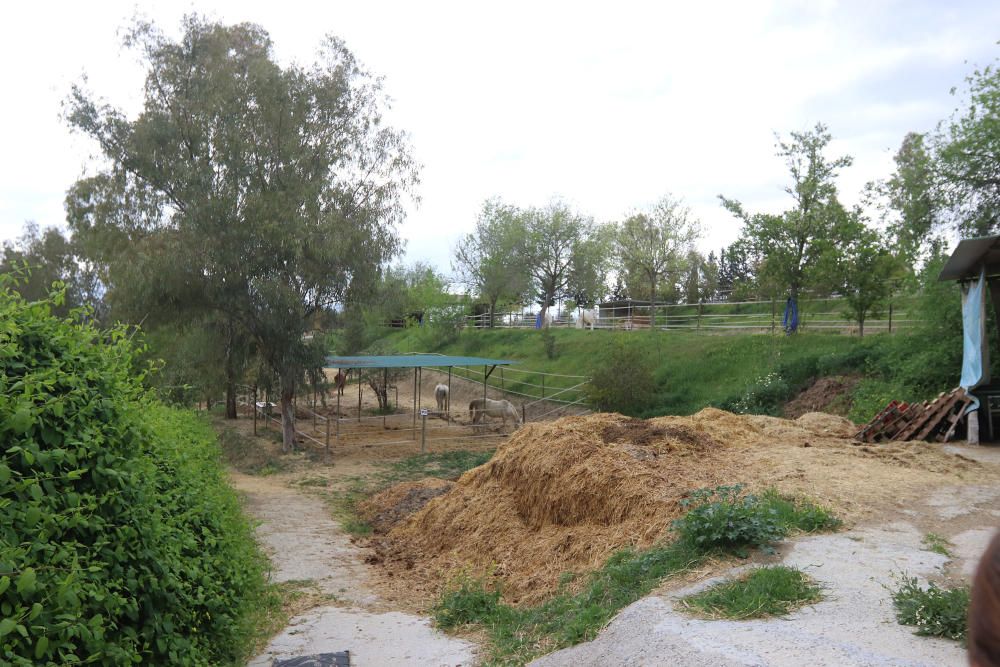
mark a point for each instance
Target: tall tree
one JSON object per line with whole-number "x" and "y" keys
{"x": 275, "y": 189}
{"x": 554, "y": 237}
{"x": 655, "y": 244}
{"x": 490, "y": 260}
{"x": 968, "y": 156}
{"x": 793, "y": 242}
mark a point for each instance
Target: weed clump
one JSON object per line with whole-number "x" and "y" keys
{"x": 935, "y": 611}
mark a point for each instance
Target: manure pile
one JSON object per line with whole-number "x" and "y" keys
{"x": 562, "y": 496}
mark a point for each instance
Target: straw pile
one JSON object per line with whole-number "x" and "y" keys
{"x": 562, "y": 496}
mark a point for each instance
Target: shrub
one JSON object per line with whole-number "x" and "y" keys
{"x": 722, "y": 518}
{"x": 120, "y": 541}
{"x": 764, "y": 592}
{"x": 622, "y": 381}
{"x": 935, "y": 611}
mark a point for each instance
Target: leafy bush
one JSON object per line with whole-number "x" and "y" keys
{"x": 763, "y": 396}
{"x": 723, "y": 518}
{"x": 622, "y": 381}
{"x": 764, "y": 592}
{"x": 935, "y": 611}
{"x": 120, "y": 541}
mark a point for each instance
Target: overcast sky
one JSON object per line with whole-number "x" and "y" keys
{"x": 607, "y": 105}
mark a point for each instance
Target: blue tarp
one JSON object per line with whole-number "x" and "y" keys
{"x": 975, "y": 353}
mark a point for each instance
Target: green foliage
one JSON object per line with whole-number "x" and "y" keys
{"x": 764, "y": 592}
{"x": 549, "y": 343}
{"x": 935, "y": 611}
{"x": 937, "y": 544}
{"x": 120, "y": 540}
{"x": 763, "y": 396}
{"x": 465, "y": 601}
{"x": 799, "y": 515}
{"x": 724, "y": 518}
{"x": 622, "y": 380}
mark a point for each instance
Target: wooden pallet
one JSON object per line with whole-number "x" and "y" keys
{"x": 918, "y": 421}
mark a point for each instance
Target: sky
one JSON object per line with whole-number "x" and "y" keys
{"x": 606, "y": 105}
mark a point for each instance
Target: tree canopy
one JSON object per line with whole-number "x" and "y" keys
{"x": 271, "y": 192}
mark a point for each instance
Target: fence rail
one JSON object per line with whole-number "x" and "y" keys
{"x": 823, "y": 314}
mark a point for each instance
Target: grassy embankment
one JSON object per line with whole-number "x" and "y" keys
{"x": 692, "y": 370}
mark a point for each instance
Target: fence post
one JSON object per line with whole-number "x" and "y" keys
{"x": 543, "y": 386}
{"x": 255, "y": 409}
{"x": 890, "y": 316}
{"x": 700, "y": 306}
{"x": 772, "y": 314}
{"x": 524, "y": 414}
{"x": 328, "y": 437}
{"x": 423, "y": 431}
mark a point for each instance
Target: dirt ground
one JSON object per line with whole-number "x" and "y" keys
{"x": 889, "y": 495}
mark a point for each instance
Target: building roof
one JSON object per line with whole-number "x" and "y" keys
{"x": 411, "y": 361}
{"x": 970, "y": 255}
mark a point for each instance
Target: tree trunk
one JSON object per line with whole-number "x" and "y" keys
{"x": 493, "y": 307}
{"x": 861, "y": 327}
{"x": 652, "y": 305}
{"x": 287, "y": 415}
{"x": 230, "y": 372}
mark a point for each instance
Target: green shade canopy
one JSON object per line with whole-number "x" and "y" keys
{"x": 412, "y": 361}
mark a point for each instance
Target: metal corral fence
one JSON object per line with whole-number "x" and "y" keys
{"x": 331, "y": 425}
{"x": 830, "y": 314}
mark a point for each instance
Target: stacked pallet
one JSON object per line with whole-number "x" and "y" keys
{"x": 936, "y": 420}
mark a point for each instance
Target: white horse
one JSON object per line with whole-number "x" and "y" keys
{"x": 587, "y": 318}
{"x": 441, "y": 396}
{"x": 481, "y": 408}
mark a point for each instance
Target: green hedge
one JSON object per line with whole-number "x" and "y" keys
{"x": 120, "y": 542}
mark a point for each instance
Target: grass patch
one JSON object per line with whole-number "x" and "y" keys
{"x": 935, "y": 611}
{"x": 519, "y": 634}
{"x": 764, "y": 592}
{"x": 937, "y": 544}
{"x": 447, "y": 465}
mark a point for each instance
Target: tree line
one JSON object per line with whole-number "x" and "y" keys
{"x": 249, "y": 203}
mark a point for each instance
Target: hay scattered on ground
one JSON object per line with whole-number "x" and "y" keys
{"x": 562, "y": 496}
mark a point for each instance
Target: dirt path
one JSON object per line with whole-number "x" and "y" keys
{"x": 853, "y": 626}
{"x": 308, "y": 547}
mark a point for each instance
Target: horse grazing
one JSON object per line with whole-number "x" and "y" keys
{"x": 481, "y": 408}
{"x": 340, "y": 381}
{"x": 441, "y": 396}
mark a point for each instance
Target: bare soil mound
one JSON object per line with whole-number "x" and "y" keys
{"x": 827, "y": 394}
{"x": 562, "y": 496}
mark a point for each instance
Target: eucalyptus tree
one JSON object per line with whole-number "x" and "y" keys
{"x": 654, "y": 245}
{"x": 791, "y": 243}
{"x": 490, "y": 260}
{"x": 274, "y": 189}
